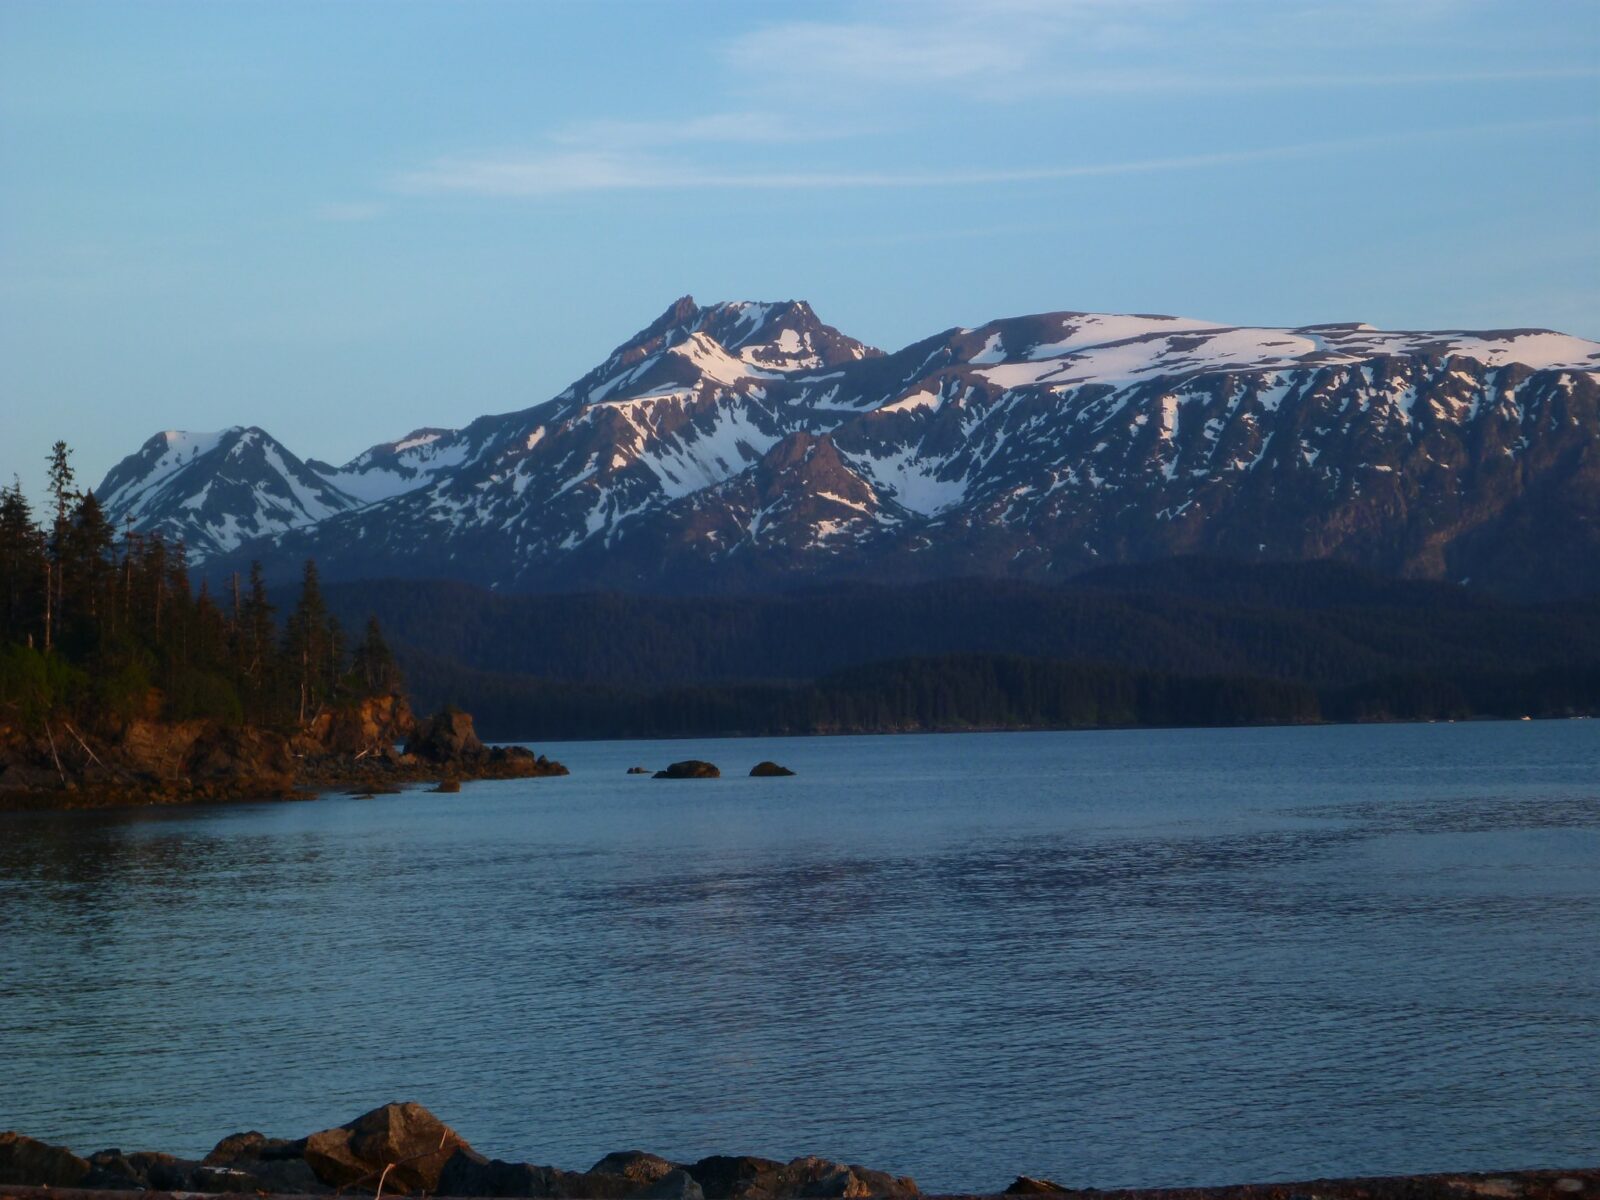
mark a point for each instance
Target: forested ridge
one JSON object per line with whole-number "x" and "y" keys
{"x": 1188, "y": 641}
{"x": 102, "y": 626}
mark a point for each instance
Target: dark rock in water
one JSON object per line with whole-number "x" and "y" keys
{"x": 113, "y": 1171}
{"x": 143, "y": 1170}
{"x": 635, "y": 1166}
{"x": 638, "y": 770}
{"x": 690, "y": 768}
{"x": 1027, "y": 1185}
{"x": 468, "y": 1173}
{"x": 447, "y": 785}
{"x": 812, "y": 1176}
{"x": 30, "y": 1162}
{"x": 447, "y": 736}
{"x": 404, "y": 1134}
{"x": 275, "y": 1165}
{"x": 768, "y": 770}
{"x": 674, "y": 1185}
{"x": 243, "y": 1149}
{"x": 723, "y": 1176}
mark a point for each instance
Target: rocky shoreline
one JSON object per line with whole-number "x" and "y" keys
{"x": 405, "y": 1149}
{"x": 146, "y": 761}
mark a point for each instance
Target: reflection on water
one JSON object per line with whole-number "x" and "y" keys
{"x": 1133, "y": 958}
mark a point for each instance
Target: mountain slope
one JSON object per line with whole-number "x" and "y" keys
{"x": 216, "y": 491}
{"x": 751, "y": 446}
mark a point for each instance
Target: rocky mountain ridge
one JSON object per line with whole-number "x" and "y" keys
{"x": 744, "y": 445}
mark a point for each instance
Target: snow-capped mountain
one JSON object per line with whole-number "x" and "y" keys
{"x": 215, "y": 491}
{"x": 750, "y": 444}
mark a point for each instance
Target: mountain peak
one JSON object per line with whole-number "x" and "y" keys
{"x": 214, "y": 491}
{"x": 680, "y": 314}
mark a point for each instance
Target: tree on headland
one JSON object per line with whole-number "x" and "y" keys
{"x": 374, "y": 664}
{"x": 60, "y": 486}
{"x": 100, "y": 627}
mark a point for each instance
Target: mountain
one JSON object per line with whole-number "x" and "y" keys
{"x": 750, "y": 446}
{"x": 216, "y": 491}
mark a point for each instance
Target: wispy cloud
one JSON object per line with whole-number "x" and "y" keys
{"x": 357, "y": 211}
{"x": 1008, "y": 49}
{"x": 721, "y": 128}
{"x": 546, "y": 174}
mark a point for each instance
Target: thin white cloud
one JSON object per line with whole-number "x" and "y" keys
{"x": 1010, "y": 49}
{"x": 723, "y": 128}
{"x": 361, "y": 211}
{"x": 539, "y": 175}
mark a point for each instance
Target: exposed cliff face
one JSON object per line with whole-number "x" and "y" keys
{"x": 750, "y": 445}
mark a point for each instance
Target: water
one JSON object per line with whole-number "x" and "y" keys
{"x": 1140, "y": 958}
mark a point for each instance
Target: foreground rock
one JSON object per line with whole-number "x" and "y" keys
{"x": 690, "y": 768}
{"x": 403, "y": 1144}
{"x": 1027, "y": 1185}
{"x": 146, "y": 761}
{"x": 411, "y": 1151}
{"x": 769, "y": 770}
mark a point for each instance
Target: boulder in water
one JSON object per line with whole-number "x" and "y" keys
{"x": 769, "y": 770}
{"x": 690, "y": 768}
{"x": 1027, "y": 1185}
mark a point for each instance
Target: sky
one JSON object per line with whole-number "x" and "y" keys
{"x": 343, "y": 221}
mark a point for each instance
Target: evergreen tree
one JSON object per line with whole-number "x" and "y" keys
{"x": 306, "y": 643}
{"x": 61, "y": 477}
{"x": 22, "y": 563}
{"x": 255, "y": 654}
{"x": 377, "y": 673}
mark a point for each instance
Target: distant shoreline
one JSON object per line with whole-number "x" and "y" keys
{"x": 958, "y": 730}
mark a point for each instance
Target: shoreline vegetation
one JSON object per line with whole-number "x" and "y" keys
{"x": 403, "y": 1149}
{"x": 120, "y": 683}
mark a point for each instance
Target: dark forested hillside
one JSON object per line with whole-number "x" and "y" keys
{"x": 1187, "y": 641}
{"x": 1318, "y": 623}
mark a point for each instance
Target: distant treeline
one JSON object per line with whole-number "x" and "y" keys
{"x": 1185, "y": 642}
{"x": 1318, "y": 623}
{"x": 976, "y": 691}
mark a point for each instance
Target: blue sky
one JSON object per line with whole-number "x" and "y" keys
{"x": 341, "y": 221}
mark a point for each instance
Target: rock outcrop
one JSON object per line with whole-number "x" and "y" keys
{"x": 1027, "y": 1185}
{"x": 403, "y": 1144}
{"x": 27, "y": 1160}
{"x": 148, "y": 761}
{"x": 448, "y": 740}
{"x": 375, "y": 726}
{"x": 690, "y": 768}
{"x": 769, "y": 770}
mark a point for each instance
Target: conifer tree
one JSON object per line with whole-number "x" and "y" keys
{"x": 60, "y": 486}
{"x": 375, "y": 668}
{"x": 306, "y": 641}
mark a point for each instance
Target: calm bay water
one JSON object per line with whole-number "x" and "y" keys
{"x": 1142, "y": 958}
